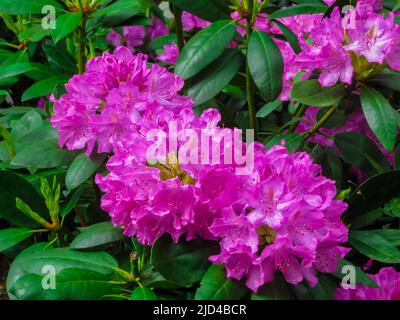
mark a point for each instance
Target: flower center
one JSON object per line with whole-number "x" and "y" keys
{"x": 266, "y": 235}
{"x": 171, "y": 169}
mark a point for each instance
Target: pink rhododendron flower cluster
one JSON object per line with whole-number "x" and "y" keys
{"x": 388, "y": 280}
{"x": 117, "y": 95}
{"x": 290, "y": 223}
{"x": 280, "y": 216}
{"x": 170, "y": 54}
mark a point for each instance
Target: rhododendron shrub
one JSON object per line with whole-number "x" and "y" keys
{"x": 233, "y": 149}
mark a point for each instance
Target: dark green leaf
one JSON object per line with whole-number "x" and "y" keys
{"x": 206, "y": 46}
{"x": 44, "y": 87}
{"x": 289, "y": 35}
{"x": 43, "y": 156}
{"x": 183, "y": 263}
{"x": 81, "y": 169}
{"x": 266, "y": 64}
{"x": 216, "y": 286}
{"x": 210, "y": 10}
{"x": 15, "y": 70}
{"x": 11, "y": 187}
{"x": 60, "y": 57}
{"x": 66, "y": 24}
{"x": 374, "y": 246}
{"x": 143, "y": 293}
{"x": 12, "y": 236}
{"x": 380, "y": 116}
{"x": 268, "y": 108}
{"x": 216, "y": 76}
{"x": 361, "y": 277}
{"x": 391, "y": 235}
{"x": 310, "y": 92}
{"x": 26, "y": 6}
{"x": 96, "y": 235}
{"x": 358, "y": 150}
{"x": 299, "y": 9}
{"x": 388, "y": 78}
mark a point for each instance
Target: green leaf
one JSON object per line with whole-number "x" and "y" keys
{"x": 81, "y": 169}
{"x": 374, "y": 192}
{"x": 374, "y": 246}
{"x": 337, "y": 120}
{"x": 277, "y": 289}
{"x": 143, "y": 293}
{"x": 397, "y": 157}
{"x": 15, "y": 70}
{"x": 43, "y": 156}
{"x": 71, "y": 202}
{"x": 183, "y": 263}
{"x": 268, "y": 108}
{"x": 310, "y": 92}
{"x": 20, "y": 110}
{"x": 210, "y": 10}
{"x": 26, "y": 6}
{"x": 45, "y": 133}
{"x": 206, "y": 46}
{"x": 388, "y": 78}
{"x": 289, "y": 35}
{"x": 216, "y": 286}
{"x": 393, "y": 207}
{"x": 216, "y": 76}
{"x": 292, "y": 141}
{"x": 12, "y": 236}
{"x": 266, "y": 64}
{"x": 60, "y": 259}
{"x": 96, "y": 235}
{"x": 28, "y": 123}
{"x": 357, "y": 150}
{"x": 380, "y": 116}
{"x": 70, "y": 284}
{"x": 299, "y": 9}
{"x": 391, "y": 235}
{"x": 361, "y": 277}
{"x": 60, "y": 57}
{"x": 44, "y": 87}
{"x": 11, "y": 187}
{"x": 66, "y": 24}
{"x": 128, "y": 7}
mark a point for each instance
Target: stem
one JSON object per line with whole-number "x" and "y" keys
{"x": 300, "y": 111}
{"x": 179, "y": 27}
{"x": 249, "y": 84}
{"x": 81, "y": 40}
{"x": 320, "y": 123}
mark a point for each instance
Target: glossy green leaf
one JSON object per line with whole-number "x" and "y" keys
{"x": 299, "y": 9}
{"x": 28, "y": 123}
{"x": 43, "y": 156}
{"x": 15, "y": 70}
{"x": 27, "y": 6}
{"x": 211, "y": 10}
{"x": 206, "y": 46}
{"x": 70, "y": 284}
{"x": 388, "y": 78}
{"x": 289, "y": 35}
{"x": 358, "y": 150}
{"x": 361, "y": 277}
{"x": 96, "y": 235}
{"x": 278, "y": 289}
{"x": 269, "y": 107}
{"x": 374, "y": 192}
{"x": 380, "y": 116}
{"x": 11, "y": 187}
{"x": 391, "y": 235}
{"x": 374, "y": 246}
{"x": 183, "y": 263}
{"x": 81, "y": 169}
{"x": 310, "y": 92}
{"x": 266, "y": 64}
{"x": 216, "y": 286}
{"x": 44, "y": 87}
{"x": 60, "y": 259}
{"x": 12, "y": 236}
{"x": 292, "y": 140}
{"x": 60, "y": 57}
{"x": 44, "y": 133}
{"x": 216, "y": 76}
{"x": 66, "y": 24}
{"x": 143, "y": 293}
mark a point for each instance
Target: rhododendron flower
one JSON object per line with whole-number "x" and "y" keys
{"x": 388, "y": 280}
{"x": 117, "y": 95}
{"x": 290, "y": 223}
{"x": 170, "y": 54}
{"x": 191, "y": 22}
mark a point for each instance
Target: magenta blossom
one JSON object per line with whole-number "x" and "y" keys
{"x": 191, "y": 22}
{"x": 388, "y": 280}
